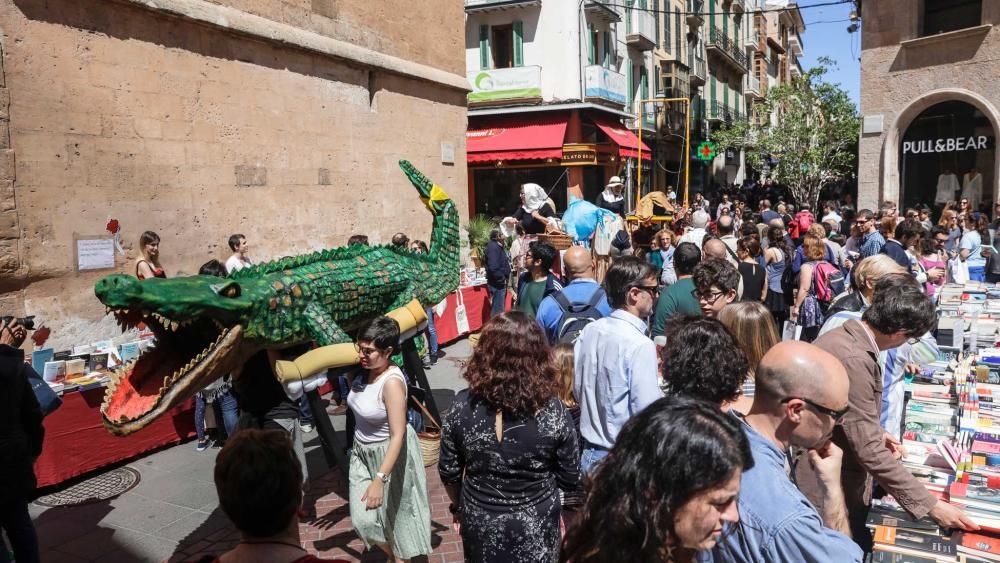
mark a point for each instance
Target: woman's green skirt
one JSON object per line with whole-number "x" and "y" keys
{"x": 404, "y": 519}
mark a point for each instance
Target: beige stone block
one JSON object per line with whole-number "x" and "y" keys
{"x": 8, "y": 225}
{"x": 148, "y": 128}
{"x": 8, "y": 256}
{"x": 7, "y": 201}
{"x": 7, "y": 165}
{"x": 251, "y": 175}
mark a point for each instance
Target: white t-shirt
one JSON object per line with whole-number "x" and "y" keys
{"x": 235, "y": 264}
{"x": 371, "y": 421}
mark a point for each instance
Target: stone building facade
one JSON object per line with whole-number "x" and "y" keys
{"x": 930, "y": 98}
{"x": 279, "y": 119}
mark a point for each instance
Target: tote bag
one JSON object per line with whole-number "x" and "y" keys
{"x": 461, "y": 318}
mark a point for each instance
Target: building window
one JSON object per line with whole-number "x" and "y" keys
{"x": 607, "y": 49}
{"x": 940, "y": 16}
{"x": 503, "y": 46}
{"x": 677, "y": 33}
{"x": 666, "y": 30}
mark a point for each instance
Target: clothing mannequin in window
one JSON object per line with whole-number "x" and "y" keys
{"x": 972, "y": 188}
{"x": 947, "y": 185}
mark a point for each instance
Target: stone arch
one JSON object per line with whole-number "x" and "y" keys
{"x": 890, "y": 188}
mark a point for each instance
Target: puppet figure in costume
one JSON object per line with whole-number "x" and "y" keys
{"x": 611, "y": 198}
{"x": 534, "y": 211}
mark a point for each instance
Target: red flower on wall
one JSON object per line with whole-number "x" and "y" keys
{"x": 112, "y": 226}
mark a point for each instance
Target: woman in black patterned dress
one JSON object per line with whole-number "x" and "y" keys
{"x": 508, "y": 446}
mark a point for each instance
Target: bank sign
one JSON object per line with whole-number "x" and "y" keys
{"x": 506, "y": 83}
{"x": 952, "y": 144}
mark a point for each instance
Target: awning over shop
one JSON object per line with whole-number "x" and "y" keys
{"x": 628, "y": 143}
{"x": 529, "y": 137}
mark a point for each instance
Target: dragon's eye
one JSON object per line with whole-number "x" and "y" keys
{"x": 231, "y": 290}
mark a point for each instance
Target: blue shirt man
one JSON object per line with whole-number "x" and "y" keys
{"x": 550, "y": 314}
{"x": 615, "y": 362}
{"x": 801, "y": 391}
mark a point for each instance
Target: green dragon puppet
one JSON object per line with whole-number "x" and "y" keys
{"x": 207, "y": 326}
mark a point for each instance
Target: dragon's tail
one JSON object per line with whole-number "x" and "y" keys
{"x": 433, "y": 196}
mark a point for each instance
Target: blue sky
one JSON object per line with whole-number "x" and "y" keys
{"x": 832, "y": 40}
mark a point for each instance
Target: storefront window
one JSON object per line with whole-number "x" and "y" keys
{"x": 947, "y": 154}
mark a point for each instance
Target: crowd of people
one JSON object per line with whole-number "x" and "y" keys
{"x": 732, "y": 393}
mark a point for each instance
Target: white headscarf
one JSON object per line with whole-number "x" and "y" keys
{"x": 534, "y": 197}
{"x": 609, "y": 194}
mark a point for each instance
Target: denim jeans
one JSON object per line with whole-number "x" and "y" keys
{"x": 498, "y": 299}
{"x": 977, "y": 273}
{"x": 16, "y": 522}
{"x": 225, "y": 409}
{"x": 432, "y": 333}
{"x": 591, "y": 456}
{"x": 305, "y": 411}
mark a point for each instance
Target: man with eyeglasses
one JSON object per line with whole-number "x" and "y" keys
{"x": 899, "y": 314}
{"x": 716, "y": 282}
{"x": 801, "y": 393}
{"x": 872, "y": 241}
{"x": 614, "y": 361}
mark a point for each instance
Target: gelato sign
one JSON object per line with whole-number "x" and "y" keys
{"x": 505, "y": 84}
{"x": 977, "y": 143}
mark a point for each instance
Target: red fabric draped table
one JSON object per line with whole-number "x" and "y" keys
{"x": 76, "y": 441}
{"x": 477, "y": 310}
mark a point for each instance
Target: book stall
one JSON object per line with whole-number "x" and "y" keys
{"x": 951, "y": 433}
{"x": 76, "y": 441}
{"x": 466, "y": 309}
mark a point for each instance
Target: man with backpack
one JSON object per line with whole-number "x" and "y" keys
{"x": 564, "y": 313}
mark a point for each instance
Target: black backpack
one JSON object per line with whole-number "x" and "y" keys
{"x": 576, "y": 316}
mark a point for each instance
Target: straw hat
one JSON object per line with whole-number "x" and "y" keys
{"x": 614, "y": 181}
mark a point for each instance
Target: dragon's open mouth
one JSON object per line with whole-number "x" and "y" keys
{"x": 188, "y": 355}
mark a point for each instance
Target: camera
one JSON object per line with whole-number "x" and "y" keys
{"x": 27, "y": 322}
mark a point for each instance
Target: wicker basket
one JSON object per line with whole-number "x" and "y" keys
{"x": 430, "y": 438}
{"x": 560, "y": 241}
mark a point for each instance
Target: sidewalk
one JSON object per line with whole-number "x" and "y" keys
{"x": 173, "y": 513}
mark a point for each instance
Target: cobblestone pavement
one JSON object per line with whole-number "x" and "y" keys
{"x": 173, "y": 513}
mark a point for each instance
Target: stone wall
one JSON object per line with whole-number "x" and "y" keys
{"x": 897, "y": 79}
{"x": 197, "y": 132}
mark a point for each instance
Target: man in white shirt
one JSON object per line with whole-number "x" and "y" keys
{"x": 240, "y": 259}
{"x": 699, "y": 220}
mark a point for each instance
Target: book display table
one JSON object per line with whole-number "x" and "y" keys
{"x": 477, "y": 310}
{"x": 76, "y": 441}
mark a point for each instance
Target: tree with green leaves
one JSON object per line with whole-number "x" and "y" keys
{"x": 807, "y": 129}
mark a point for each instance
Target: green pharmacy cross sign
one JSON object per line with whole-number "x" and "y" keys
{"x": 706, "y": 151}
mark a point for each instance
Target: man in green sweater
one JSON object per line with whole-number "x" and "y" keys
{"x": 678, "y": 298}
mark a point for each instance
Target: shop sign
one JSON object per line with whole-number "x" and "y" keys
{"x": 579, "y": 155}
{"x": 953, "y": 144}
{"x": 605, "y": 84}
{"x": 706, "y": 151}
{"x": 506, "y": 83}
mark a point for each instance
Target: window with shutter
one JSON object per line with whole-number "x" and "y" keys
{"x": 677, "y": 34}
{"x": 656, "y": 12}
{"x": 518, "y": 43}
{"x": 607, "y": 49}
{"x": 484, "y": 46}
{"x": 711, "y": 15}
{"x": 666, "y": 30}
{"x": 591, "y": 45}
{"x": 630, "y": 92}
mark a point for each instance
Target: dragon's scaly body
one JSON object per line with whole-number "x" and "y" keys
{"x": 207, "y": 326}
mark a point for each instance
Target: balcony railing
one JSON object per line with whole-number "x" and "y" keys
{"x": 753, "y": 42}
{"x": 722, "y": 43}
{"x": 640, "y": 31}
{"x": 752, "y": 85}
{"x": 795, "y": 44}
{"x": 722, "y": 112}
{"x": 606, "y": 84}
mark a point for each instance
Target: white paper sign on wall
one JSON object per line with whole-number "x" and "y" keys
{"x": 95, "y": 254}
{"x": 447, "y": 153}
{"x": 872, "y": 124}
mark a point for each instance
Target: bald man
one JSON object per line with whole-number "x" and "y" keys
{"x": 727, "y": 234}
{"x": 563, "y": 314}
{"x": 801, "y": 392}
{"x": 714, "y": 248}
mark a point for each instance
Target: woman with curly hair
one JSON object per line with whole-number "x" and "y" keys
{"x": 508, "y": 446}
{"x": 666, "y": 489}
{"x": 702, "y": 360}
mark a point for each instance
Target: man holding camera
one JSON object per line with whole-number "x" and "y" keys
{"x": 21, "y": 434}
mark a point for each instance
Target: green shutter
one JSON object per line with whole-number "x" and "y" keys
{"x": 712, "y": 96}
{"x": 628, "y": 16}
{"x": 607, "y": 49}
{"x": 711, "y": 14}
{"x": 643, "y": 85}
{"x": 736, "y": 34}
{"x": 657, "y": 81}
{"x": 656, "y": 14}
{"x": 677, "y": 34}
{"x": 725, "y": 94}
{"x": 518, "y": 43}
{"x": 484, "y": 46}
{"x": 725, "y": 23}
{"x": 630, "y": 91}
{"x": 591, "y": 47}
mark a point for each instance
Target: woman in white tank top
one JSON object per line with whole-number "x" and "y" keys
{"x": 388, "y": 486}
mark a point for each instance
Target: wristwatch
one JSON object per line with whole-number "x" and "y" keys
{"x": 384, "y": 477}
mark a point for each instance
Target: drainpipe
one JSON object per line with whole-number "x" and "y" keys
{"x": 579, "y": 47}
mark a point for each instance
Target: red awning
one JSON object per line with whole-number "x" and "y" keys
{"x": 628, "y": 143}
{"x": 527, "y": 137}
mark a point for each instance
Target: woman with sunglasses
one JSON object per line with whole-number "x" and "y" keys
{"x": 388, "y": 485}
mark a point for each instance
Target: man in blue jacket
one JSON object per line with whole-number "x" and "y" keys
{"x": 581, "y": 289}
{"x": 538, "y": 282}
{"x": 497, "y": 272}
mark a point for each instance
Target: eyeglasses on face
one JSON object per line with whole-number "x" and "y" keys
{"x": 709, "y": 297}
{"x": 834, "y": 414}
{"x": 941, "y": 240}
{"x": 653, "y": 290}
{"x": 367, "y": 350}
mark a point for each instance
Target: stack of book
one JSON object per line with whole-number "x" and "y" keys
{"x": 977, "y": 547}
{"x": 931, "y": 419}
